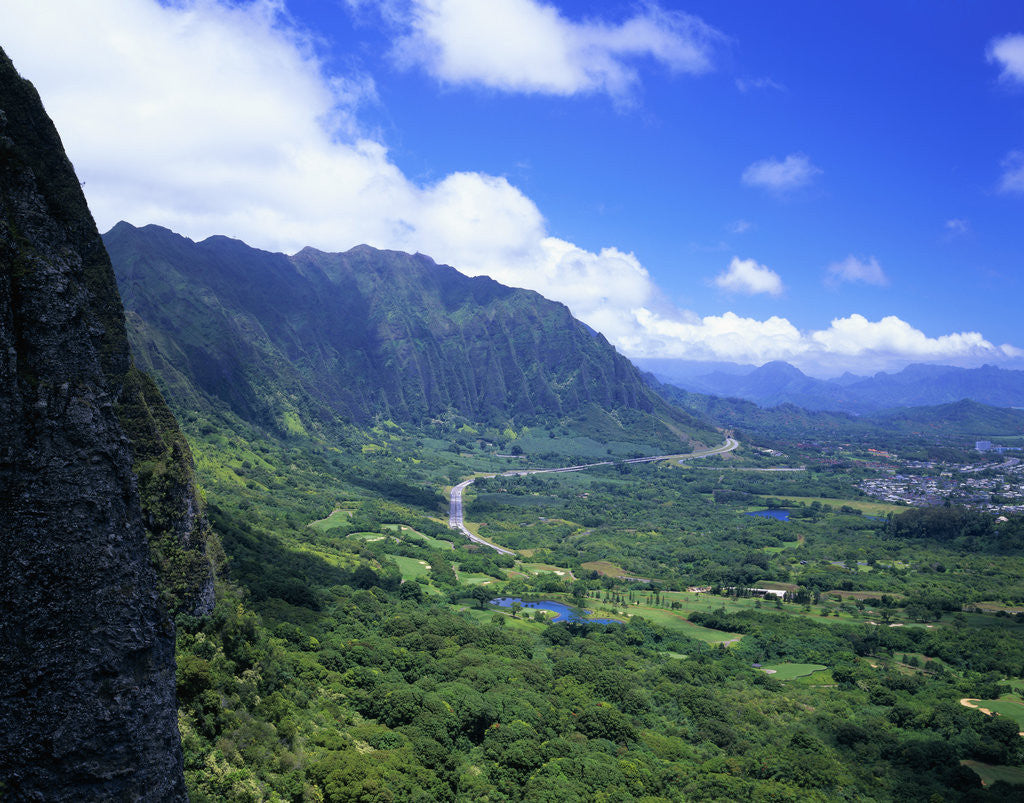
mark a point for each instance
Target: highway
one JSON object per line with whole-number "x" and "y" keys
{"x": 455, "y": 517}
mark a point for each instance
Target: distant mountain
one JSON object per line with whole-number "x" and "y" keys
{"x": 293, "y": 342}
{"x": 778, "y": 383}
{"x": 955, "y": 423}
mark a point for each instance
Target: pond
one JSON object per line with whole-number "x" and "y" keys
{"x": 564, "y": 612}
{"x": 778, "y": 514}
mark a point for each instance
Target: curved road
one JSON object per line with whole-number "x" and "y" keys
{"x": 455, "y": 519}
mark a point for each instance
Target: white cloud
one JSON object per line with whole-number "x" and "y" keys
{"x": 856, "y": 336}
{"x": 748, "y": 84}
{"x": 1008, "y": 53}
{"x": 746, "y": 276}
{"x": 852, "y": 269}
{"x": 957, "y": 226}
{"x": 740, "y": 226}
{"x": 215, "y": 118}
{"x": 1012, "y": 179}
{"x": 791, "y": 173}
{"x": 529, "y": 46}
{"x": 212, "y": 117}
{"x": 851, "y": 343}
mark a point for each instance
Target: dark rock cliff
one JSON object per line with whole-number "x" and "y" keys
{"x": 87, "y": 697}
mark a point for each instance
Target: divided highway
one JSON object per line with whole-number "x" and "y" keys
{"x": 455, "y": 517}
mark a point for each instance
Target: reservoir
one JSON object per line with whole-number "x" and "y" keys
{"x": 778, "y": 514}
{"x": 564, "y": 612}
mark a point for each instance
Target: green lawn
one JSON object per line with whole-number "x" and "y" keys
{"x": 791, "y": 671}
{"x": 485, "y": 616}
{"x": 472, "y": 578}
{"x": 990, "y": 773}
{"x": 545, "y": 568}
{"x": 865, "y": 506}
{"x": 411, "y": 568}
{"x": 416, "y": 535}
{"x": 774, "y": 550}
{"x": 670, "y": 620}
{"x": 368, "y": 536}
{"x": 606, "y": 568}
{"x": 1009, "y": 705}
{"x": 339, "y": 516}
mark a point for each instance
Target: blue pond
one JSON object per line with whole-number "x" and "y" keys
{"x": 565, "y": 613}
{"x": 777, "y": 514}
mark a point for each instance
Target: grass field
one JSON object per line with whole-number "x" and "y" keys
{"x": 472, "y": 578}
{"x": 337, "y": 517}
{"x": 990, "y": 773}
{"x": 673, "y": 620}
{"x": 416, "y": 535}
{"x": 1009, "y": 705}
{"x": 484, "y": 616}
{"x": 545, "y": 568}
{"x": 791, "y": 671}
{"x": 411, "y": 568}
{"x": 865, "y": 506}
{"x": 606, "y": 568}
{"x": 862, "y": 594}
{"x": 785, "y": 545}
{"x": 368, "y": 536}
{"x": 670, "y": 620}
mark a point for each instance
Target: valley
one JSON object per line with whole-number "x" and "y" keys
{"x": 356, "y": 644}
{"x": 357, "y": 527}
{"x": 455, "y": 515}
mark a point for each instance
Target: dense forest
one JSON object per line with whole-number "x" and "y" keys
{"x": 354, "y": 653}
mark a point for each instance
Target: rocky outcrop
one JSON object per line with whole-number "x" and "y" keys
{"x": 87, "y": 697}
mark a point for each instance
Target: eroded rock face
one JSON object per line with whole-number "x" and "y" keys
{"x": 87, "y": 695}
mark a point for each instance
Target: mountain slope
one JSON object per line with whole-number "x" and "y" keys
{"x": 88, "y": 694}
{"x": 300, "y": 342}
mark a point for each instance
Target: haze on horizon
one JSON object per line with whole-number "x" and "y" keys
{"x": 685, "y": 183}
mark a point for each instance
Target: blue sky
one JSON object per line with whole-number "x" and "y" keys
{"x": 837, "y": 185}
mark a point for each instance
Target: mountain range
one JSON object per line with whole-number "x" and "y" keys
{"x": 776, "y": 383}
{"x": 304, "y": 342}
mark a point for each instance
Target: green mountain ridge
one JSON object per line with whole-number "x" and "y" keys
{"x": 308, "y": 341}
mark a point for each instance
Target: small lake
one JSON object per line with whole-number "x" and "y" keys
{"x": 565, "y": 613}
{"x": 778, "y": 514}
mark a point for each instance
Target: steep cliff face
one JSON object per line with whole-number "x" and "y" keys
{"x": 87, "y": 698}
{"x": 293, "y": 342}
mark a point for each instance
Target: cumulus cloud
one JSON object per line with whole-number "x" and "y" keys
{"x": 791, "y": 173}
{"x": 529, "y": 46}
{"x": 746, "y": 276}
{"x": 1012, "y": 179}
{"x": 216, "y": 117}
{"x": 856, "y": 270}
{"x": 850, "y": 343}
{"x": 1008, "y": 53}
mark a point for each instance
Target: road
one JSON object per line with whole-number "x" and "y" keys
{"x": 455, "y": 518}
{"x": 456, "y": 522}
